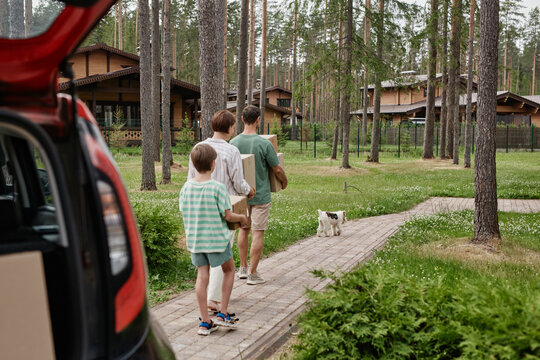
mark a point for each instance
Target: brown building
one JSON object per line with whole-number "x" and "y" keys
{"x": 278, "y": 108}
{"x": 107, "y": 80}
{"x": 406, "y": 98}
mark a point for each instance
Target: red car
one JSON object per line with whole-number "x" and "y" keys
{"x": 72, "y": 267}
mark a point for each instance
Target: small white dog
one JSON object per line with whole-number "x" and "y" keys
{"x": 330, "y": 223}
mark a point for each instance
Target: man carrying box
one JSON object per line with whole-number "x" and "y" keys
{"x": 259, "y": 206}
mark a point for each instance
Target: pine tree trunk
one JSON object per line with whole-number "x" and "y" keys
{"x": 486, "y": 223}
{"x": 366, "y": 83}
{"x": 251, "y": 57}
{"x": 444, "y": 60}
{"x": 347, "y": 72}
{"x": 120, "y": 26}
{"x": 339, "y": 92}
{"x": 147, "y": 123}
{"x": 431, "y": 84}
{"x": 221, "y": 23}
{"x": 156, "y": 78}
{"x": 377, "y": 102}
{"x": 4, "y": 14}
{"x": 452, "y": 85}
{"x": 28, "y": 19}
{"x": 16, "y": 16}
{"x": 468, "y": 125}
{"x": 166, "y": 96}
{"x": 293, "y": 105}
{"x": 209, "y": 69}
{"x": 456, "y": 48}
{"x": 242, "y": 65}
{"x": 224, "y": 90}
{"x": 262, "y": 104}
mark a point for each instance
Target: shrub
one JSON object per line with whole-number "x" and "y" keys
{"x": 281, "y": 135}
{"x": 160, "y": 232}
{"x": 185, "y": 140}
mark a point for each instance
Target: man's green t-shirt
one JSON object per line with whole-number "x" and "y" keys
{"x": 265, "y": 157}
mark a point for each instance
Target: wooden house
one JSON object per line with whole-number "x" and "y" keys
{"x": 107, "y": 80}
{"x": 406, "y": 98}
{"x": 278, "y": 108}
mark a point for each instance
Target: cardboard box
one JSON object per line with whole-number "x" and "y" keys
{"x": 25, "y": 327}
{"x": 239, "y": 206}
{"x": 272, "y": 139}
{"x": 248, "y": 165}
{"x": 275, "y": 184}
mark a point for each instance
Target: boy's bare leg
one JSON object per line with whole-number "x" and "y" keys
{"x": 256, "y": 249}
{"x": 200, "y": 291}
{"x": 228, "y": 282}
{"x": 243, "y": 242}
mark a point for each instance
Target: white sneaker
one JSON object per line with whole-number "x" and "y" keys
{"x": 254, "y": 279}
{"x": 243, "y": 274}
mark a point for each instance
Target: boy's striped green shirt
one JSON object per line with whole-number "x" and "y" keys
{"x": 203, "y": 206}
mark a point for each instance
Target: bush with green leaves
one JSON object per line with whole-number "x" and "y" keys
{"x": 160, "y": 232}
{"x": 281, "y": 135}
{"x": 185, "y": 139}
{"x": 406, "y": 305}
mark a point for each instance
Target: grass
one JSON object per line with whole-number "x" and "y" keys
{"x": 393, "y": 185}
{"x": 430, "y": 294}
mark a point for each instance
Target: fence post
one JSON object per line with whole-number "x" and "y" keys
{"x": 301, "y": 129}
{"x": 399, "y": 141}
{"x": 532, "y": 138}
{"x": 380, "y": 142}
{"x": 507, "y": 138}
{"x": 268, "y": 128}
{"x": 415, "y": 127}
{"x": 315, "y": 142}
{"x": 473, "y": 138}
{"x": 358, "y": 141}
{"x": 437, "y": 146}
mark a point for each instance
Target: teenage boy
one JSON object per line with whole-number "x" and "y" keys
{"x": 206, "y": 208}
{"x": 259, "y": 206}
{"x": 229, "y": 172}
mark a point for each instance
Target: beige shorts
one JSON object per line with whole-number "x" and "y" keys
{"x": 259, "y": 216}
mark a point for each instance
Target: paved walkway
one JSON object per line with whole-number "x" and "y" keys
{"x": 267, "y": 311}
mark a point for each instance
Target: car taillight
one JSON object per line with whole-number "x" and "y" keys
{"x": 114, "y": 224}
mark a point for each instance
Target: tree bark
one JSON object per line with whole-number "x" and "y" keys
{"x": 262, "y": 104}
{"x": 166, "y": 96}
{"x": 28, "y": 19}
{"x": 210, "y": 85}
{"x": 221, "y": 23}
{"x": 338, "y": 87}
{"x": 457, "y": 83}
{"x": 156, "y": 79}
{"x": 345, "y": 107}
{"x": 367, "y": 24}
{"x": 468, "y": 125}
{"x": 251, "y": 56}
{"x": 486, "y": 223}
{"x": 4, "y": 14}
{"x": 377, "y": 102}
{"x": 147, "y": 124}
{"x": 242, "y": 65}
{"x": 444, "y": 60}
{"x": 293, "y": 106}
{"x": 16, "y": 16}
{"x": 452, "y": 86}
{"x": 224, "y": 90}
{"x": 120, "y": 26}
{"x": 431, "y": 84}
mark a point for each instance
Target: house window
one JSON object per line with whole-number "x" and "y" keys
{"x": 284, "y": 103}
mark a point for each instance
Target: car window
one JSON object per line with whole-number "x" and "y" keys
{"x": 22, "y": 24}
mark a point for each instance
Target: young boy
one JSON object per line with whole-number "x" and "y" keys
{"x": 206, "y": 208}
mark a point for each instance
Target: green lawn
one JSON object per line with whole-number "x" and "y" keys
{"x": 431, "y": 295}
{"x": 393, "y": 185}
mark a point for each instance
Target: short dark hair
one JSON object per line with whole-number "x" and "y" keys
{"x": 250, "y": 114}
{"x": 222, "y": 121}
{"x": 202, "y": 156}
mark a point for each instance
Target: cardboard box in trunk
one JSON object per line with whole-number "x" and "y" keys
{"x": 248, "y": 165}
{"x": 275, "y": 184}
{"x": 239, "y": 206}
{"x": 25, "y": 327}
{"x": 272, "y": 139}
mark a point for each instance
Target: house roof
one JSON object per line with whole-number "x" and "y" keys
{"x": 407, "y": 80}
{"x": 421, "y": 105}
{"x": 119, "y": 73}
{"x": 272, "y": 88}
{"x": 534, "y": 98}
{"x": 107, "y": 48}
{"x": 231, "y": 106}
